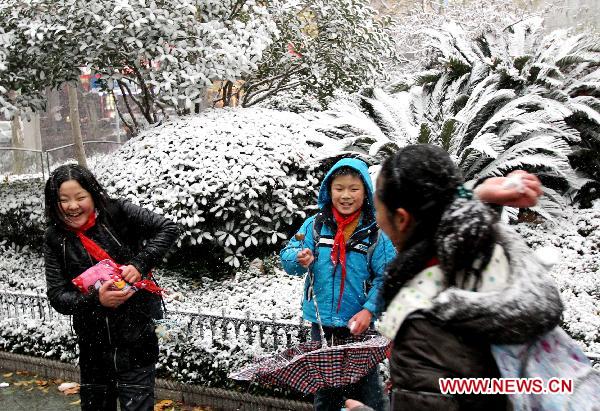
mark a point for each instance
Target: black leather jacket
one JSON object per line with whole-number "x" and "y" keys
{"x": 131, "y": 235}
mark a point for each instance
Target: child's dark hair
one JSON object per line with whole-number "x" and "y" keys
{"x": 67, "y": 172}
{"x": 458, "y": 230}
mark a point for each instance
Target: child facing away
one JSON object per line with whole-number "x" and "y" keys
{"x": 461, "y": 282}
{"x": 118, "y": 347}
{"x": 349, "y": 255}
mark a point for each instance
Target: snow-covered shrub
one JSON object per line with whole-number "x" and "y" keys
{"x": 577, "y": 274}
{"x": 236, "y": 181}
{"x": 21, "y": 269}
{"x": 22, "y": 210}
{"x": 295, "y": 101}
{"x": 53, "y": 340}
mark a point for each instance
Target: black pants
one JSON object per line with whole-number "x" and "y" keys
{"x": 102, "y": 384}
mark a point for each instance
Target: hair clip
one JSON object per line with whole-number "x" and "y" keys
{"x": 464, "y": 192}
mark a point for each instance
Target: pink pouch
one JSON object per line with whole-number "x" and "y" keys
{"x": 92, "y": 278}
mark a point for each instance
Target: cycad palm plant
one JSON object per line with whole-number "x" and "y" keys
{"x": 513, "y": 99}
{"x": 530, "y": 101}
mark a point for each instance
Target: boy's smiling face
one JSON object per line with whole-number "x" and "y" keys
{"x": 347, "y": 194}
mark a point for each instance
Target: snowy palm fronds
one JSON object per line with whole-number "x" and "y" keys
{"x": 513, "y": 99}
{"x": 508, "y": 99}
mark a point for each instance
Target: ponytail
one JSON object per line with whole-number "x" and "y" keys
{"x": 465, "y": 239}
{"x": 448, "y": 223}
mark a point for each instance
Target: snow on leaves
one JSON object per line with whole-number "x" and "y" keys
{"x": 234, "y": 179}
{"x": 170, "y": 51}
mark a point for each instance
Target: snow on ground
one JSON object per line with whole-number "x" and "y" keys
{"x": 576, "y": 237}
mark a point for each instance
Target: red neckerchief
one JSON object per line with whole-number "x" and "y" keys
{"x": 98, "y": 254}
{"x": 338, "y": 252}
{"x": 432, "y": 262}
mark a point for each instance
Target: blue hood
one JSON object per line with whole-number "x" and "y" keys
{"x": 363, "y": 169}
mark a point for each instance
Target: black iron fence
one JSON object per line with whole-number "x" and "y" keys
{"x": 32, "y": 161}
{"x": 272, "y": 334}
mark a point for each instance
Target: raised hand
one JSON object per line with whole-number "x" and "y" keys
{"x": 519, "y": 189}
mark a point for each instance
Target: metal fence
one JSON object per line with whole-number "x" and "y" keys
{"x": 43, "y": 161}
{"x": 271, "y": 334}
{"x": 34, "y": 163}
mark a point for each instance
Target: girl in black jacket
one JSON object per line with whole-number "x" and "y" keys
{"x": 460, "y": 283}
{"x": 118, "y": 347}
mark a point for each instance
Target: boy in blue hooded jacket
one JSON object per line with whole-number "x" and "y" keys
{"x": 349, "y": 256}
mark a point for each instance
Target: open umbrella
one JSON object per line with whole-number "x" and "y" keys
{"x": 313, "y": 365}
{"x": 308, "y": 367}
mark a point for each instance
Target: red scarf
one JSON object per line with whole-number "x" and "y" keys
{"x": 98, "y": 254}
{"x": 338, "y": 252}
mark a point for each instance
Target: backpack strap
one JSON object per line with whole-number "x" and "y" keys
{"x": 316, "y": 232}
{"x": 374, "y": 237}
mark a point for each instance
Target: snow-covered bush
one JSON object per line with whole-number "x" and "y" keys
{"x": 236, "y": 181}
{"x": 22, "y": 210}
{"x": 53, "y": 340}
{"x": 577, "y": 274}
{"x": 21, "y": 268}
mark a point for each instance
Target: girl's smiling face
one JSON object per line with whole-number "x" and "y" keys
{"x": 347, "y": 194}
{"x": 76, "y": 203}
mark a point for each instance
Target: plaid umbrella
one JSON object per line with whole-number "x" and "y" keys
{"x": 309, "y": 367}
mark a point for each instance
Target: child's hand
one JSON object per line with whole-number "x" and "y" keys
{"x": 305, "y": 257}
{"x": 112, "y": 299}
{"x": 360, "y": 322}
{"x": 352, "y": 404}
{"x": 496, "y": 190}
{"x": 130, "y": 274}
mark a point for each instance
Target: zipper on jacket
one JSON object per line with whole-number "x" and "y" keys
{"x": 110, "y": 342}
{"x": 64, "y": 247}
{"x": 111, "y": 234}
{"x": 108, "y": 330}
{"x": 90, "y": 257}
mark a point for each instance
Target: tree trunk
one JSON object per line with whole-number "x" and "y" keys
{"x": 76, "y": 124}
{"x": 18, "y": 141}
{"x": 91, "y": 102}
{"x": 53, "y": 111}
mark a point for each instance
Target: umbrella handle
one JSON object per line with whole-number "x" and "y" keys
{"x": 301, "y": 238}
{"x": 314, "y": 298}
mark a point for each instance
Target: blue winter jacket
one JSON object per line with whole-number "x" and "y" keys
{"x": 365, "y": 265}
